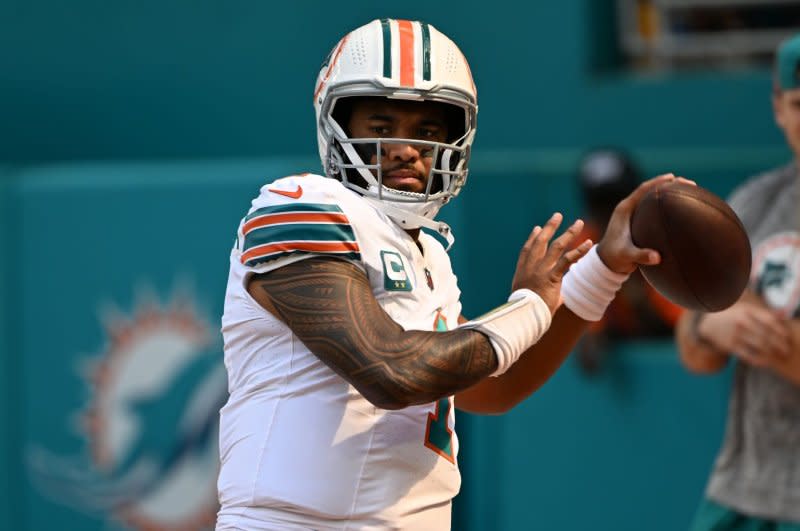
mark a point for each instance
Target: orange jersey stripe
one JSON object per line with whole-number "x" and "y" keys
{"x": 320, "y": 247}
{"x": 406, "y": 32}
{"x": 294, "y": 217}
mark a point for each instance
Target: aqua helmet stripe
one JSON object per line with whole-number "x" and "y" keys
{"x": 387, "y": 47}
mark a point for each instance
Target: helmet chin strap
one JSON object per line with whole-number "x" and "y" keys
{"x": 411, "y": 220}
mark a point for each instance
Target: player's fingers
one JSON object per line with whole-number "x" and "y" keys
{"x": 526, "y": 248}
{"x": 525, "y": 253}
{"x": 644, "y": 256}
{"x": 633, "y": 199}
{"x": 564, "y": 242}
{"x": 531, "y": 237}
{"x": 543, "y": 238}
{"x": 686, "y": 181}
{"x": 570, "y": 257}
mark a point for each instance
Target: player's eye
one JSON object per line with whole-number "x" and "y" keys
{"x": 427, "y": 133}
{"x": 379, "y": 130}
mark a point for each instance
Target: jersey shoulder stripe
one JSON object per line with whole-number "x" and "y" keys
{"x": 292, "y": 207}
{"x": 276, "y": 231}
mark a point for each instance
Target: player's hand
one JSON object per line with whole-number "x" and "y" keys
{"x": 542, "y": 264}
{"x": 749, "y": 331}
{"x": 616, "y": 248}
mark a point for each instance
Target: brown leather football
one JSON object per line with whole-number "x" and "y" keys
{"x": 705, "y": 251}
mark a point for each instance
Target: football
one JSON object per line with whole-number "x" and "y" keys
{"x": 705, "y": 251}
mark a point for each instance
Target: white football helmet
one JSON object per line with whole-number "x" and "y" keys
{"x": 407, "y": 60}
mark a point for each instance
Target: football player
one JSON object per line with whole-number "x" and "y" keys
{"x": 345, "y": 346}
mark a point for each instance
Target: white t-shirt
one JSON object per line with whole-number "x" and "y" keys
{"x": 300, "y": 447}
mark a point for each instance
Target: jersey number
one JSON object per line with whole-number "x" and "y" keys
{"x": 438, "y": 436}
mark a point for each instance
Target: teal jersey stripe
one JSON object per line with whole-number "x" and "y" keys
{"x": 387, "y": 47}
{"x": 426, "y": 52}
{"x": 261, "y": 259}
{"x": 293, "y": 207}
{"x": 289, "y": 232}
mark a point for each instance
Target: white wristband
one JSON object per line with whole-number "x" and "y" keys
{"x": 589, "y": 286}
{"x": 513, "y": 327}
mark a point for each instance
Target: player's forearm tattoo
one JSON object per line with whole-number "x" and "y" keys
{"x": 329, "y": 305}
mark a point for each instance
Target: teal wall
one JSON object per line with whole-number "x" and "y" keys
{"x": 8, "y": 441}
{"x": 191, "y": 106}
{"x": 96, "y": 80}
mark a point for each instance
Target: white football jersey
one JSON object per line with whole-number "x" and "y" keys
{"x": 300, "y": 448}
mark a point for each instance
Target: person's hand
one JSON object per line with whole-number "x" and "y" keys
{"x": 749, "y": 331}
{"x": 542, "y": 264}
{"x": 616, "y": 249}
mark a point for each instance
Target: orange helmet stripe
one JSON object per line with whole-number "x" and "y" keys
{"x": 406, "y": 33}
{"x": 330, "y": 66}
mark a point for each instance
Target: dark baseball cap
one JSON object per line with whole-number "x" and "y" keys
{"x": 787, "y": 64}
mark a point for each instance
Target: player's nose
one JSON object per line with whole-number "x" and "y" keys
{"x": 404, "y": 152}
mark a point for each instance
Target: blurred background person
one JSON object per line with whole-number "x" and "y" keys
{"x": 605, "y": 176}
{"x": 754, "y": 483}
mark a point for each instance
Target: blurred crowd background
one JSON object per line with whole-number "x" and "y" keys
{"x": 134, "y": 134}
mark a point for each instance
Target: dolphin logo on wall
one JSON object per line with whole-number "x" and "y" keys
{"x": 150, "y": 426}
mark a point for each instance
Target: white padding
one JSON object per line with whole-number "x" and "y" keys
{"x": 513, "y": 327}
{"x": 589, "y": 286}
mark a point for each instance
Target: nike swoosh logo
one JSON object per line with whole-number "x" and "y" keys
{"x": 287, "y": 193}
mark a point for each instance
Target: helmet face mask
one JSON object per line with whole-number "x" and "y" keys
{"x": 422, "y": 65}
{"x": 351, "y": 161}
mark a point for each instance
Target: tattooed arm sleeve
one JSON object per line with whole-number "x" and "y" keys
{"x": 329, "y": 305}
